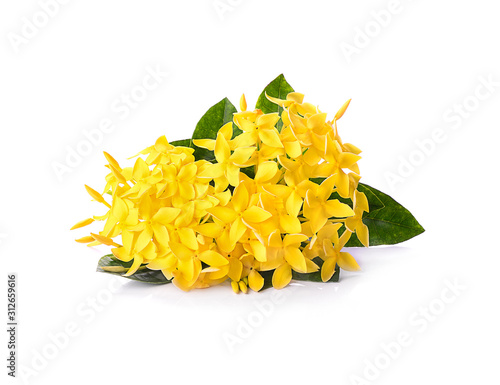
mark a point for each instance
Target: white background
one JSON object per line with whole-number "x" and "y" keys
{"x": 407, "y": 80}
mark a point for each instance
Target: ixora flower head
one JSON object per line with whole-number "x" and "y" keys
{"x": 255, "y": 198}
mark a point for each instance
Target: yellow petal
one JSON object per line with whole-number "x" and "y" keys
{"x": 163, "y": 263}
{"x": 352, "y": 148}
{"x": 259, "y": 251}
{"x": 222, "y": 150}
{"x": 212, "y": 171}
{"x": 128, "y": 239}
{"x": 161, "y": 234}
{"x": 227, "y": 131}
{"x": 335, "y": 208}
{"x": 243, "y": 103}
{"x": 187, "y": 237}
{"x": 363, "y": 235}
{"x": 293, "y": 148}
{"x": 209, "y": 144}
{"x": 240, "y": 198}
{"x": 256, "y": 215}
{"x": 290, "y": 224}
{"x": 328, "y": 269}
{"x": 294, "y": 239}
{"x": 325, "y": 189}
{"x": 293, "y": 204}
{"x": 295, "y": 97}
{"x": 86, "y": 239}
{"x": 343, "y": 240}
{"x": 187, "y": 172}
{"x": 83, "y": 223}
{"x": 181, "y": 251}
{"x": 98, "y": 197}
{"x": 120, "y": 209}
{"x": 122, "y": 254}
{"x": 279, "y": 102}
{"x": 271, "y": 138}
{"x": 330, "y": 231}
{"x": 235, "y": 269}
{"x": 233, "y": 175}
{"x": 223, "y": 214}
{"x": 275, "y": 239}
{"x": 296, "y": 259}
{"x": 347, "y": 262}
{"x": 212, "y": 230}
{"x": 311, "y": 266}
{"x": 255, "y": 280}
{"x": 241, "y": 156}
{"x": 104, "y": 240}
{"x": 238, "y": 229}
{"x": 316, "y": 120}
{"x": 144, "y": 238}
{"x": 342, "y": 183}
{"x": 268, "y": 120}
{"x": 112, "y": 160}
{"x": 346, "y": 159}
{"x": 212, "y": 258}
{"x": 166, "y": 215}
{"x": 135, "y": 265}
{"x": 141, "y": 169}
{"x": 340, "y": 112}
{"x": 317, "y": 219}
{"x": 282, "y": 276}
{"x": 118, "y": 174}
{"x": 361, "y": 201}
{"x": 162, "y": 145}
{"x": 189, "y": 270}
{"x": 266, "y": 171}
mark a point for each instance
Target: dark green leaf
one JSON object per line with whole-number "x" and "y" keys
{"x": 278, "y": 88}
{"x": 268, "y": 279}
{"x": 389, "y": 225}
{"x": 111, "y": 265}
{"x": 183, "y": 143}
{"x": 316, "y": 276}
{"x": 209, "y": 125}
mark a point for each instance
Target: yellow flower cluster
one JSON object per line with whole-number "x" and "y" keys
{"x": 202, "y": 223}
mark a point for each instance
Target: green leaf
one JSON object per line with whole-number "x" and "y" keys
{"x": 209, "y": 125}
{"x": 183, "y": 143}
{"x": 111, "y": 265}
{"x": 316, "y": 276}
{"x": 268, "y": 279}
{"x": 278, "y": 88}
{"x": 388, "y": 225}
